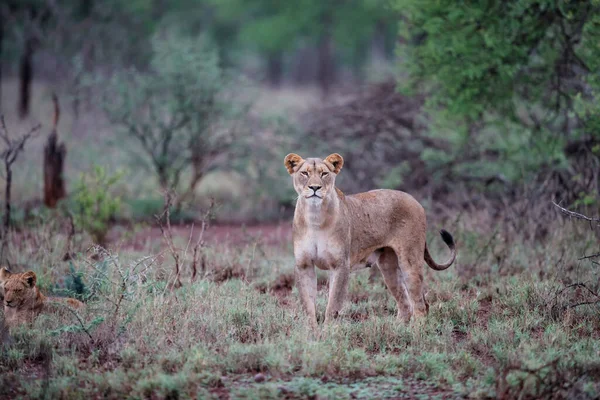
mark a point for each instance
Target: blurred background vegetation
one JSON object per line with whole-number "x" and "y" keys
{"x": 463, "y": 105}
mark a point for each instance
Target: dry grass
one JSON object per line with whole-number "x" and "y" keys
{"x": 494, "y": 329}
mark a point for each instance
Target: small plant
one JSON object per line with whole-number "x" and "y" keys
{"x": 93, "y": 205}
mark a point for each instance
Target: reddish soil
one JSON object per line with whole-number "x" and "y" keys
{"x": 277, "y": 235}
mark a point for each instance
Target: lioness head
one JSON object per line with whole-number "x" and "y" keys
{"x": 314, "y": 178}
{"x": 19, "y": 289}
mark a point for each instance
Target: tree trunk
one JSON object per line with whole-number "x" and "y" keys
{"x": 326, "y": 66}
{"x": 54, "y": 162}
{"x": 25, "y": 78}
{"x": 7, "y": 205}
{"x": 275, "y": 69}
{"x": 163, "y": 176}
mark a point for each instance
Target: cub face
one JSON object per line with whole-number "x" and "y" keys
{"x": 18, "y": 289}
{"x": 313, "y": 178}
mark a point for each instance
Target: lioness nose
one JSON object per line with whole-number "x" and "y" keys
{"x": 315, "y": 187}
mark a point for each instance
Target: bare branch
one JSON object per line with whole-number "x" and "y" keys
{"x": 574, "y": 214}
{"x": 200, "y": 243}
{"x": 9, "y": 155}
{"x": 168, "y": 235}
{"x": 590, "y": 256}
{"x": 583, "y": 303}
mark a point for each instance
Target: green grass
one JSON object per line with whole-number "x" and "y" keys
{"x": 497, "y": 326}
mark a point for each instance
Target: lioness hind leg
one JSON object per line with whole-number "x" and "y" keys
{"x": 337, "y": 293}
{"x": 392, "y": 276}
{"x": 413, "y": 273}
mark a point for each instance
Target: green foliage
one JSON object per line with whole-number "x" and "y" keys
{"x": 74, "y": 284}
{"x": 174, "y": 113}
{"x": 78, "y": 328}
{"x": 481, "y": 56}
{"x": 522, "y": 75}
{"x": 275, "y": 27}
{"x": 94, "y": 203}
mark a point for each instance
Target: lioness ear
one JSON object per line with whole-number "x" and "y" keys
{"x": 4, "y": 274}
{"x": 30, "y": 278}
{"x": 292, "y": 161}
{"x": 336, "y": 162}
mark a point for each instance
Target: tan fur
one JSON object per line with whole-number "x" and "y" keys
{"x": 343, "y": 234}
{"x": 23, "y": 301}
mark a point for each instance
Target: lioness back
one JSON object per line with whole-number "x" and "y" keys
{"x": 383, "y": 213}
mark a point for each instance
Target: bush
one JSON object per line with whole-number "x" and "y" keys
{"x": 93, "y": 203}
{"x": 177, "y": 112}
{"x": 511, "y": 87}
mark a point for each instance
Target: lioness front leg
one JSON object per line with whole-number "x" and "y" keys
{"x": 338, "y": 287}
{"x": 307, "y": 287}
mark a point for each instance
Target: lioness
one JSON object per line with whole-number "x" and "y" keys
{"x": 346, "y": 233}
{"x": 23, "y": 301}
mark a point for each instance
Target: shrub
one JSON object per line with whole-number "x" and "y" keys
{"x": 176, "y": 112}
{"x": 93, "y": 204}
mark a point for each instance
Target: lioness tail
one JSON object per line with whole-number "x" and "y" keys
{"x": 447, "y": 238}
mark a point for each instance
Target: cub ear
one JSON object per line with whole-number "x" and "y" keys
{"x": 336, "y": 162}
{"x": 4, "y": 274}
{"x": 292, "y": 161}
{"x": 30, "y": 277}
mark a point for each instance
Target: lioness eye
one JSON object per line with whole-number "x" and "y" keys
{"x": 324, "y": 174}
{"x": 304, "y": 173}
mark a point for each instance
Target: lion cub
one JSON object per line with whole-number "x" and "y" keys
{"x": 343, "y": 234}
{"x": 23, "y": 301}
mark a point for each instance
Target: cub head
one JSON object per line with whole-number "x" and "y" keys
{"x": 19, "y": 289}
{"x": 314, "y": 178}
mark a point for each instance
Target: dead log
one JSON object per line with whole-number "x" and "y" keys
{"x": 54, "y": 158}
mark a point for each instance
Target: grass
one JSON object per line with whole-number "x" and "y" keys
{"x": 498, "y": 325}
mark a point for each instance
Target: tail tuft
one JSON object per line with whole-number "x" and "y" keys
{"x": 447, "y": 238}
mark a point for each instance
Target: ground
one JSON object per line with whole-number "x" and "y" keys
{"x": 503, "y": 321}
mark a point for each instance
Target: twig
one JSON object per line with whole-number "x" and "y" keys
{"x": 168, "y": 235}
{"x": 487, "y": 245}
{"x": 200, "y": 243}
{"x": 77, "y": 317}
{"x": 590, "y": 256}
{"x": 583, "y": 303}
{"x": 574, "y": 214}
{"x": 556, "y": 307}
{"x": 577, "y": 285}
